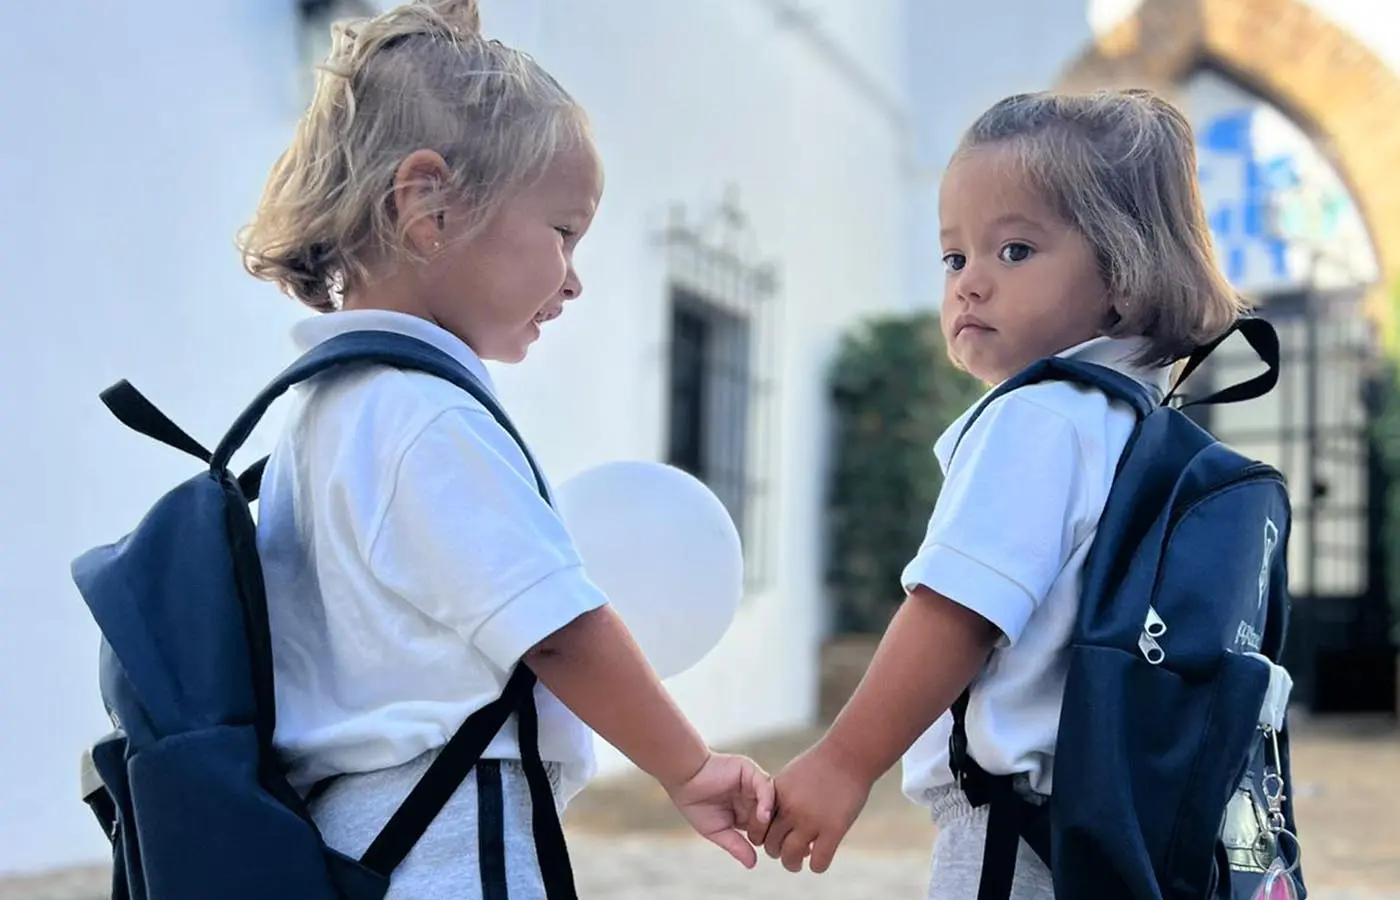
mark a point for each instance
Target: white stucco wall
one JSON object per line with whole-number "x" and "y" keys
{"x": 124, "y": 178}
{"x": 960, "y": 63}
{"x": 816, "y": 165}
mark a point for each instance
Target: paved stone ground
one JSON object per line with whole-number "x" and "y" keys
{"x": 666, "y": 867}
{"x": 657, "y": 867}
{"x": 1346, "y": 777}
{"x": 648, "y": 869}
{"x": 628, "y": 845}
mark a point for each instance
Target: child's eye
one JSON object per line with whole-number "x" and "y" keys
{"x": 1016, "y": 252}
{"x": 954, "y": 262}
{"x": 566, "y": 233}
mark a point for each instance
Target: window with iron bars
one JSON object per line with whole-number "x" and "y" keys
{"x": 721, "y": 363}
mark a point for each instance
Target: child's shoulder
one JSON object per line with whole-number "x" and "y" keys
{"x": 1038, "y": 417}
{"x": 1047, "y": 403}
{"x": 1061, "y": 399}
{"x": 389, "y": 407}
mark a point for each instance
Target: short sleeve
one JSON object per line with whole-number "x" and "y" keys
{"x": 1004, "y": 524}
{"x": 467, "y": 539}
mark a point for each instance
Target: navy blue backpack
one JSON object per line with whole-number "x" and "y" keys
{"x": 1172, "y": 773}
{"x": 188, "y": 786}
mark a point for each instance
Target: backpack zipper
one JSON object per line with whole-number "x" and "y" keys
{"x": 1154, "y": 626}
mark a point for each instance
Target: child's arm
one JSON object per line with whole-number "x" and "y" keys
{"x": 930, "y": 653}
{"x": 466, "y": 538}
{"x": 1003, "y": 527}
{"x": 595, "y": 668}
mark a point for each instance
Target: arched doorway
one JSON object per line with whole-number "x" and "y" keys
{"x": 1297, "y": 175}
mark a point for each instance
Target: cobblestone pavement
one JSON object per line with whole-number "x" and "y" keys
{"x": 1346, "y": 774}
{"x": 642, "y": 868}
{"x": 683, "y": 869}
{"x": 628, "y": 845}
{"x": 666, "y": 867}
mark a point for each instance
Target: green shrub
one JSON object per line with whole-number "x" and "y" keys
{"x": 894, "y": 392}
{"x": 1385, "y": 439}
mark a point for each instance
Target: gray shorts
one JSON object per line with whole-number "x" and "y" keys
{"x": 456, "y": 856}
{"x": 957, "y": 853}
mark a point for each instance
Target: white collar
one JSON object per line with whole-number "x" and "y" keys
{"x": 1112, "y": 353}
{"x": 307, "y": 333}
{"x": 1116, "y": 354}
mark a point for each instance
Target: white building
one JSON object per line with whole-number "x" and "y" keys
{"x": 137, "y": 137}
{"x": 800, "y": 140}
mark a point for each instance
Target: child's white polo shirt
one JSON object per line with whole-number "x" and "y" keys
{"x": 1008, "y": 537}
{"x": 410, "y": 562}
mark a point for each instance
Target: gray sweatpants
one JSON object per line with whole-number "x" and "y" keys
{"x": 449, "y": 860}
{"x": 957, "y": 853}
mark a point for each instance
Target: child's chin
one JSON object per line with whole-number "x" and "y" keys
{"x": 509, "y": 355}
{"x": 519, "y": 353}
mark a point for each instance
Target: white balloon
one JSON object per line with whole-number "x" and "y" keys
{"x": 664, "y": 549}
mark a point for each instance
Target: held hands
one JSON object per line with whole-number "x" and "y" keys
{"x": 728, "y": 797}
{"x": 819, "y": 797}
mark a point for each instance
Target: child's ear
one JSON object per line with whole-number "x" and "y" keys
{"x": 418, "y": 200}
{"x": 1111, "y": 315}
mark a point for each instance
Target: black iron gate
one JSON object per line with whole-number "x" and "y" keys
{"x": 1316, "y": 428}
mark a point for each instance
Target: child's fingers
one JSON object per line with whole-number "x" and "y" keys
{"x": 796, "y": 846}
{"x": 733, "y": 842}
{"x": 823, "y": 852}
{"x": 762, "y": 795}
{"x": 757, "y": 819}
{"x": 777, "y": 833}
{"x": 757, "y": 832}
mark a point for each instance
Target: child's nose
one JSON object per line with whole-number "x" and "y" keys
{"x": 572, "y": 285}
{"x": 973, "y": 286}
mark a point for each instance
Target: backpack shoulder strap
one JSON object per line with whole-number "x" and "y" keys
{"x": 1113, "y": 383}
{"x": 1262, "y": 338}
{"x": 1010, "y": 820}
{"x": 358, "y": 348}
{"x": 134, "y": 411}
{"x": 461, "y": 753}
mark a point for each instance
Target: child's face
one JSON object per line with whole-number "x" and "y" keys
{"x": 497, "y": 289}
{"x": 1021, "y": 283}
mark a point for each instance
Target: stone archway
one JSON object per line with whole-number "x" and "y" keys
{"x": 1332, "y": 85}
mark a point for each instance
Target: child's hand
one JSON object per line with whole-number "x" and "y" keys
{"x": 727, "y": 797}
{"x": 819, "y": 799}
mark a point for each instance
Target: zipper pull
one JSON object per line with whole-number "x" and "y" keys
{"x": 1151, "y": 650}
{"x": 1154, "y": 626}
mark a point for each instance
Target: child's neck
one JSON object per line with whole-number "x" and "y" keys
{"x": 393, "y": 293}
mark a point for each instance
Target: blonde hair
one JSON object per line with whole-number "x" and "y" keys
{"x": 419, "y": 76}
{"x": 1120, "y": 167}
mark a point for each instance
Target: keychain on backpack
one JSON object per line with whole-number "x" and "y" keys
{"x": 1278, "y": 881}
